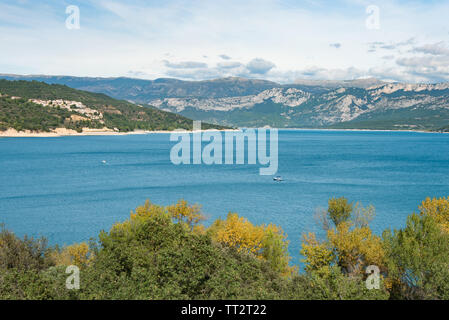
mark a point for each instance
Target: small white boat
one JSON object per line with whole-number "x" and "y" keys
{"x": 104, "y": 161}
{"x": 278, "y": 179}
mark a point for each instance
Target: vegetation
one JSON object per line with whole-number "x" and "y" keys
{"x": 167, "y": 253}
{"x": 413, "y": 118}
{"x": 398, "y": 110}
{"x": 21, "y": 114}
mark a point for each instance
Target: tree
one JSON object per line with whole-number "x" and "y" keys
{"x": 418, "y": 259}
{"x": 22, "y": 254}
{"x": 158, "y": 257}
{"x": 334, "y": 286}
{"x": 339, "y": 210}
{"x": 76, "y": 254}
{"x": 190, "y": 215}
{"x": 319, "y": 256}
{"x": 438, "y": 209}
{"x": 350, "y": 243}
{"x": 264, "y": 242}
{"x": 356, "y": 248}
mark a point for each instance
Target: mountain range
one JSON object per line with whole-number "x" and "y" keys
{"x": 356, "y": 104}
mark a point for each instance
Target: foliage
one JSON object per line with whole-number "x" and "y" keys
{"x": 77, "y": 254}
{"x": 164, "y": 252}
{"x": 418, "y": 259}
{"x": 318, "y": 255}
{"x": 181, "y": 212}
{"x": 264, "y": 242}
{"x": 335, "y": 285}
{"x": 26, "y": 254}
{"x": 350, "y": 243}
{"x": 355, "y": 248}
{"x": 438, "y": 209}
{"x": 339, "y": 210}
{"x": 161, "y": 259}
{"x": 25, "y": 266}
{"x": 21, "y": 114}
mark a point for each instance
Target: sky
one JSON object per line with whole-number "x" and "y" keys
{"x": 278, "y": 40}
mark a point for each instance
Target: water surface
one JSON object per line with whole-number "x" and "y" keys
{"x": 60, "y": 188}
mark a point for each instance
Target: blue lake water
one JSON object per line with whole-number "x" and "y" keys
{"x": 59, "y": 188}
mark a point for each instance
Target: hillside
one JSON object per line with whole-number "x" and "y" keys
{"x": 38, "y": 106}
{"x": 143, "y": 91}
{"x": 351, "y": 104}
{"x": 387, "y": 106}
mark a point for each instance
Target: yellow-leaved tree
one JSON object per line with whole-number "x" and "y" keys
{"x": 318, "y": 255}
{"x": 355, "y": 248}
{"x": 349, "y": 244}
{"x": 266, "y": 242}
{"x": 76, "y": 254}
{"x": 438, "y": 209}
{"x": 182, "y": 212}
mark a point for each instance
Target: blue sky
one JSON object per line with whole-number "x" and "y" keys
{"x": 276, "y": 40}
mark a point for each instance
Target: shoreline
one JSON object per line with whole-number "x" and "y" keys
{"x": 355, "y": 130}
{"x": 63, "y": 132}
{"x": 372, "y": 130}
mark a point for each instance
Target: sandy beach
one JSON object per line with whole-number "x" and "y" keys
{"x": 62, "y": 132}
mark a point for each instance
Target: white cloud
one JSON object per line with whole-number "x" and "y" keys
{"x": 433, "y": 68}
{"x": 260, "y": 66}
{"x": 291, "y": 39}
{"x": 229, "y": 65}
{"x": 225, "y": 57}
{"x": 185, "y": 65}
{"x": 438, "y": 48}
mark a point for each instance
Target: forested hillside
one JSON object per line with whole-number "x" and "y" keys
{"x": 26, "y": 105}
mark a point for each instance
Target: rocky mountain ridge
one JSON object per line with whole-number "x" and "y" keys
{"x": 360, "y": 103}
{"x": 301, "y": 108}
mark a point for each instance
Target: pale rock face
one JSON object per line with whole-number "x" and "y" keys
{"x": 291, "y": 97}
{"x": 66, "y": 104}
{"x": 333, "y": 106}
{"x": 408, "y": 87}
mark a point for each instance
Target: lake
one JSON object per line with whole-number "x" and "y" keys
{"x": 61, "y": 189}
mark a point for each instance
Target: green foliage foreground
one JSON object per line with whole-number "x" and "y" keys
{"x": 166, "y": 253}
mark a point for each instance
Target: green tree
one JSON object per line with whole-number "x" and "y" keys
{"x": 160, "y": 258}
{"x": 350, "y": 243}
{"x": 418, "y": 259}
{"x": 339, "y": 210}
